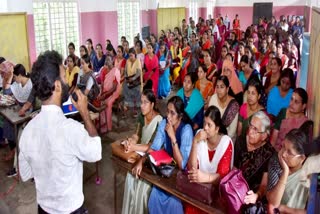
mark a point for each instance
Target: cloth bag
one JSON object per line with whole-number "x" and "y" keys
{"x": 200, "y": 191}
{"x": 118, "y": 150}
{"x": 233, "y": 189}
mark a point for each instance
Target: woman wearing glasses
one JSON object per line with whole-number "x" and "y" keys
{"x": 285, "y": 191}
{"x": 252, "y": 154}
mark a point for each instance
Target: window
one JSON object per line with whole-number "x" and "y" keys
{"x": 128, "y": 20}
{"x": 193, "y": 10}
{"x": 210, "y": 6}
{"x": 56, "y": 25}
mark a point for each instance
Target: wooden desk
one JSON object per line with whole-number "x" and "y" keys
{"x": 167, "y": 184}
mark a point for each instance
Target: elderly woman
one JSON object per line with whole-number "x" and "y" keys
{"x": 252, "y": 154}
{"x": 132, "y": 86}
{"x": 285, "y": 190}
{"x": 175, "y": 135}
{"x": 193, "y": 100}
{"x": 290, "y": 118}
{"x": 136, "y": 192}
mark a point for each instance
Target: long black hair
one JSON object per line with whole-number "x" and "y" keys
{"x": 178, "y": 104}
{"x": 19, "y": 69}
{"x": 214, "y": 114}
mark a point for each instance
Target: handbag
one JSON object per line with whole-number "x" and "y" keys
{"x": 201, "y": 191}
{"x": 161, "y": 163}
{"x": 118, "y": 150}
{"x": 133, "y": 83}
{"x": 233, "y": 189}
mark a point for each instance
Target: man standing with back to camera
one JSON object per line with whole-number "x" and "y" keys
{"x": 52, "y": 147}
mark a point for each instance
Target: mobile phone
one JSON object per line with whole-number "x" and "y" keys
{"x": 74, "y": 96}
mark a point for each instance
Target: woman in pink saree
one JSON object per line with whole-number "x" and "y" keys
{"x": 110, "y": 92}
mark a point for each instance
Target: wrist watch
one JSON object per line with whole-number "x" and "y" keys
{"x": 174, "y": 143}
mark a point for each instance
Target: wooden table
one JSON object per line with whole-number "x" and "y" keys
{"x": 166, "y": 184}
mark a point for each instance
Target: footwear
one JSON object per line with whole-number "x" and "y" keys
{"x": 12, "y": 172}
{"x": 98, "y": 180}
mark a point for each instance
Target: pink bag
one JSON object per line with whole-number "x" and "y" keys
{"x": 233, "y": 189}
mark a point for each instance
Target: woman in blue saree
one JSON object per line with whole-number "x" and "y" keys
{"x": 164, "y": 57}
{"x": 175, "y": 135}
{"x": 193, "y": 101}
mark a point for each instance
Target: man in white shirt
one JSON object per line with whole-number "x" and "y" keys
{"x": 52, "y": 147}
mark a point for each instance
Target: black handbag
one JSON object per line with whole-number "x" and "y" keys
{"x": 133, "y": 83}
{"x": 164, "y": 170}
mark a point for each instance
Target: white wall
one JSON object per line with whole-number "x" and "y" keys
{"x": 250, "y": 2}
{"x": 97, "y": 5}
{"x": 19, "y": 6}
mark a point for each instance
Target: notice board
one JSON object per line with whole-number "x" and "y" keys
{"x": 14, "y": 38}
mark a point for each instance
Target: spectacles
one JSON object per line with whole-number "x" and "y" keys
{"x": 254, "y": 129}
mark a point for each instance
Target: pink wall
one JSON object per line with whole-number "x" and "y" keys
{"x": 203, "y": 12}
{"x": 32, "y": 38}
{"x": 149, "y": 18}
{"x": 99, "y": 26}
{"x": 246, "y": 13}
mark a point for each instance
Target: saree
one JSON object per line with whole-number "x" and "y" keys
{"x": 132, "y": 73}
{"x": 152, "y": 72}
{"x": 253, "y": 164}
{"x": 229, "y": 115}
{"x": 295, "y": 194}
{"x": 176, "y": 63}
{"x": 159, "y": 200}
{"x": 195, "y": 104}
{"x": 164, "y": 82}
{"x": 111, "y": 77}
{"x": 207, "y": 91}
{"x": 288, "y": 124}
{"x": 137, "y": 191}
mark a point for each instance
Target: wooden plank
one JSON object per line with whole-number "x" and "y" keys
{"x": 168, "y": 185}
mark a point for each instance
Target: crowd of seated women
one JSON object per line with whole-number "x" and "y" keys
{"x": 237, "y": 105}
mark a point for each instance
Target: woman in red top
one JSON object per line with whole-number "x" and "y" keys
{"x": 120, "y": 61}
{"x": 211, "y": 156}
{"x": 206, "y": 43}
{"x": 151, "y": 69}
{"x": 212, "y": 72}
